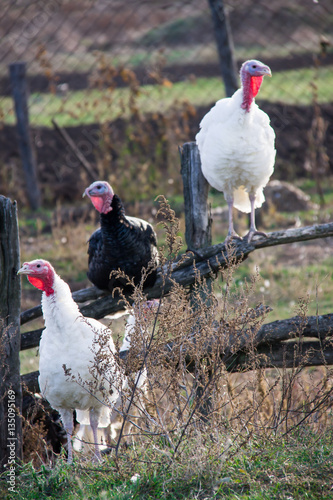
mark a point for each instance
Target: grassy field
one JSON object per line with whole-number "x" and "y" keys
{"x": 298, "y": 466}
{"x": 91, "y": 106}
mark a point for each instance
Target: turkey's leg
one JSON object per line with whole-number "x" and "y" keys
{"x": 231, "y": 231}
{"x": 94, "y": 419}
{"x": 253, "y": 230}
{"x": 67, "y": 420}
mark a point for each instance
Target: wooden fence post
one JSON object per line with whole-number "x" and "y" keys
{"x": 10, "y": 381}
{"x": 20, "y": 95}
{"x": 224, "y": 46}
{"x": 197, "y": 219}
{"x": 197, "y": 232}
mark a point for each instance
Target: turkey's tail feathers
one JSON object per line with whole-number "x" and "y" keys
{"x": 84, "y": 434}
{"x": 242, "y": 200}
{"x": 82, "y": 416}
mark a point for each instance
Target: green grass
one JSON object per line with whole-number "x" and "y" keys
{"x": 29, "y": 360}
{"x": 298, "y": 467}
{"x": 89, "y": 106}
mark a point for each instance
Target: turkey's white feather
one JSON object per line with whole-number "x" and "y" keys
{"x": 237, "y": 150}
{"x": 129, "y": 331}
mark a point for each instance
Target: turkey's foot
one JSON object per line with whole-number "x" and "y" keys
{"x": 252, "y": 233}
{"x": 232, "y": 236}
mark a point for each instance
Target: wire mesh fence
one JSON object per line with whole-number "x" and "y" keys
{"x": 76, "y": 49}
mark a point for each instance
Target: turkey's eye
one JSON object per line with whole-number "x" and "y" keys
{"x": 38, "y": 265}
{"x": 254, "y": 66}
{"x": 99, "y": 187}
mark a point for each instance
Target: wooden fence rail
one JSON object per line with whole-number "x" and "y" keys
{"x": 211, "y": 258}
{"x": 270, "y": 343}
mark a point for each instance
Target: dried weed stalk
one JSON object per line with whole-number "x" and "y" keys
{"x": 177, "y": 390}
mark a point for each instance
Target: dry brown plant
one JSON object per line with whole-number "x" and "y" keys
{"x": 177, "y": 389}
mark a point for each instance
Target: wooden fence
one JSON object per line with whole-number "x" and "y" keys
{"x": 312, "y": 337}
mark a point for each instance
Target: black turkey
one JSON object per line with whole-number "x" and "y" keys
{"x": 122, "y": 243}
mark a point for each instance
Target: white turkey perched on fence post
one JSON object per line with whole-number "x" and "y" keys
{"x": 236, "y": 145}
{"x": 121, "y": 243}
{"x": 69, "y": 349}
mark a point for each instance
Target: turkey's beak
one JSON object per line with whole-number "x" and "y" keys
{"x": 25, "y": 269}
{"x": 85, "y": 193}
{"x": 266, "y": 71}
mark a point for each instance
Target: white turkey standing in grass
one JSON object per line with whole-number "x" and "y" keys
{"x": 68, "y": 348}
{"x": 236, "y": 145}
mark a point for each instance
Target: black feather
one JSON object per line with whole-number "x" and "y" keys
{"x": 124, "y": 243}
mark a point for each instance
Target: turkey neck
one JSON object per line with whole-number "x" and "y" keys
{"x": 250, "y": 88}
{"x": 114, "y": 219}
{"x": 60, "y": 312}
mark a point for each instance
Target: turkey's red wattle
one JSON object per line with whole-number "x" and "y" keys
{"x": 98, "y": 202}
{"x": 251, "y": 86}
{"x": 256, "y": 82}
{"x": 44, "y": 285}
{"x": 102, "y": 203}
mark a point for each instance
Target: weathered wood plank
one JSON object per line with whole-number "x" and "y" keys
{"x": 197, "y": 219}
{"x": 198, "y": 233}
{"x": 283, "y": 355}
{"x": 10, "y": 299}
{"x": 319, "y": 327}
{"x": 31, "y": 339}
